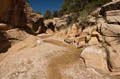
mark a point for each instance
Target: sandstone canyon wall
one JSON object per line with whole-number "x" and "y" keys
{"x": 19, "y": 14}
{"x": 17, "y": 20}
{"x": 12, "y": 12}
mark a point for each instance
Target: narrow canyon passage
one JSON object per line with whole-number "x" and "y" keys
{"x": 47, "y": 58}
{"x": 68, "y": 58}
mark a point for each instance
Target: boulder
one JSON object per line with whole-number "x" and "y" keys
{"x": 114, "y": 57}
{"x": 95, "y": 57}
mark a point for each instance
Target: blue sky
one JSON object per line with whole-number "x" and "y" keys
{"x": 43, "y": 5}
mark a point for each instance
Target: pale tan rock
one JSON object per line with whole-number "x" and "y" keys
{"x": 95, "y": 57}
{"x": 113, "y": 52}
{"x": 29, "y": 42}
{"x": 49, "y": 60}
{"x": 113, "y": 16}
{"x": 73, "y": 31}
{"x": 93, "y": 41}
{"x": 61, "y": 22}
{"x": 61, "y": 34}
{"x": 114, "y": 58}
{"x": 110, "y": 29}
{"x": 49, "y": 31}
{"x": 16, "y": 35}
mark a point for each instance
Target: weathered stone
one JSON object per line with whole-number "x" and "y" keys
{"x": 114, "y": 57}
{"x": 73, "y": 31}
{"x": 110, "y": 30}
{"x": 12, "y": 12}
{"x": 16, "y": 35}
{"x": 113, "y": 16}
{"x": 93, "y": 41}
{"x": 95, "y": 57}
{"x": 49, "y": 31}
{"x": 20, "y": 15}
{"x": 31, "y": 59}
{"x": 115, "y": 5}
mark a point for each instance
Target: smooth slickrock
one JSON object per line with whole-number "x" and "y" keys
{"x": 95, "y": 57}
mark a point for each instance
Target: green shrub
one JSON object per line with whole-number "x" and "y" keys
{"x": 48, "y": 14}
{"x": 77, "y": 6}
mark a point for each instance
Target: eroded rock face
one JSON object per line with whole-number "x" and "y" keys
{"x": 16, "y": 16}
{"x": 35, "y": 21}
{"x": 16, "y": 35}
{"x": 12, "y": 12}
{"x": 46, "y": 59}
{"x": 106, "y": 31}
{"x": 19, "y": 14}
{"x": 111, "y": 11}
{"x": 95, "y": 57}
{"x": 111, "y": 33}
{"x": 73, "y": 31}
{"x": 113, "y": 16}
{"x": 60, "y": 22}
